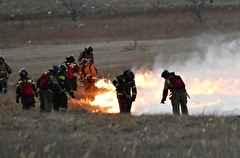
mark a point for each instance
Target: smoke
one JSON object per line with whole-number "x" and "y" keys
{"x": 210, "y": 72}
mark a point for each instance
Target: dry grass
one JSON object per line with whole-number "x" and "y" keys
{"x": 172, "y": 23}
{"x": 82, "y": 133}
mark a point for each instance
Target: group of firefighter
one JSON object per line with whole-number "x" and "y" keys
{"x": 61, "y": 81}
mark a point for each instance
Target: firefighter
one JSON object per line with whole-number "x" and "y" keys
{"x": 88, "y": 54}
{"x": 126, "y": 90}
{"x": 89, "y": 75}
{"x": 179, "y": 94}
{"x": 26, "y": 89}
{"x": 53, "y": 87}
{"x": 5, "y": 71}
{"x": 60, "y": 99}
{"x": 73, "y": 70}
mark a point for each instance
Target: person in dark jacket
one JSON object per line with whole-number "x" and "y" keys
{"x": 5, "y": 71}
{"x": 60, "y": 99}
{"x": 26, "y": 90}
{"x": 178, "y": 95}
{"x": 126, "y": 90}
{"x": 73, "y": 71}
{"x": 53, "y": 88}
{"x": 88, "y": 54}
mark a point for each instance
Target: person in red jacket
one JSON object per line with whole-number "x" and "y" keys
{"x": 26, "y": 89}
{"x": 73, "y": 71}
{"x": 175, "y": 84}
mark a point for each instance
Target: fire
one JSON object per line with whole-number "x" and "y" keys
{"x": 148, "y": 90}
{"x": 210, "y": 86}
{"x": 150, "y": 86}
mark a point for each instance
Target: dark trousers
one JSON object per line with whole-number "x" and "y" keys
{"x": 3, "y": 85}
{"x": 60, "y": 101}
{"x": 125, "y": 104}
{"x": 73, "y": 82}
{"x": 179, "y": 98}
{"x": 27, "y": 102}
{"x": 45, "y": 98}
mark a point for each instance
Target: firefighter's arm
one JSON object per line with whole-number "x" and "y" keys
{"x": 115, "y": 82}
{"x": 18, "y": 91}
{"x": 134, "y": 92}
{"x": 93, "y": 73}
{"x": 164, "y": 96}
{"x": 186, "y": 93}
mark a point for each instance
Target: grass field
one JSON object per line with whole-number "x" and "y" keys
{"x": 132, "y": 36}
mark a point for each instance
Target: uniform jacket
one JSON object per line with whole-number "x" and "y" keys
{"x": 88, "y": 71}
{"x": 4, "y": 70}
{"x": 86, "y": 55}
{"x": 124, "y": 87}
{"x": 19, "y": 85}
{"x": 64, "y": 82}
{"x": 168, "y": 86}
{"x": 74, "y": 67}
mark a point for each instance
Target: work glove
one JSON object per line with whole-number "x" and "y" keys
{"x": 10, "y": 71}
{"x": 17, "y": 98}
{"x": 162, "y": 102}
{"x": 71, "y": 94}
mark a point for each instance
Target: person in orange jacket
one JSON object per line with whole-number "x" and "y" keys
{"x": 89, "y": 75}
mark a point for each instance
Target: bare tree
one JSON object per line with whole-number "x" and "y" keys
{"x": 72, "y": 8}
{"x": 197, "y": 6}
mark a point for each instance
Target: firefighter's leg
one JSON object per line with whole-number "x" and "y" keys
{"x": 41, "y": 99}
{"x": 183, "y": 102}
{"x": 4, "y": 85}
{"x": 129, "y": 105}
{"x": 47, "y": 101}
{"x": 125, "y": 105}
{"x": 55, "y": 101}
{"x": 121, "y": 103}
{"x": 175, "y": 103}
{"x": 24, "y": 101}
{"x": 63, "y": 104}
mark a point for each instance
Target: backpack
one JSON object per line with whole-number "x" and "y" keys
{"x": 176, "y": 82}
{"x": 27, "y": 88}
{"x": 42, "y": 82}
{"x": 69, "y": 73}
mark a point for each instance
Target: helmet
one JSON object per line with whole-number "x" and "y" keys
{"x": 84, "y": 60}
{"x": 89, "y": 49}
{"x": 165, "y": 74}
{"x": 23, "y": 72}
{"x": 70, "y": 58}
{"x": 2, "y": 58}
{"x": 55, "y": 69}
{"x": 63, "y": 68}
{"x": 130, "y": 75}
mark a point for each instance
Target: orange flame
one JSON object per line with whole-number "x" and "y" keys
{"x": 150, "y": 86}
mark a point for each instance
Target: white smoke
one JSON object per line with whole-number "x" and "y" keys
{"x": 211, "y": 74}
